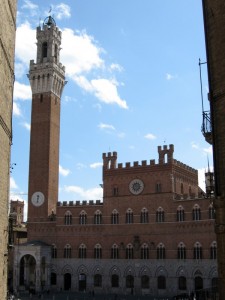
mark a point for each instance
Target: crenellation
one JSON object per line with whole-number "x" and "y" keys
{"x": 136, "y": 164}
{"x": 144, "y": 163}
{"x": 127, "y": 165}
{"x": 152, "y": 162}
{"x": 79, "y": 203}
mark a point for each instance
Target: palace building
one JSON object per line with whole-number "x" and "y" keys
{"x": 152, "y": 234}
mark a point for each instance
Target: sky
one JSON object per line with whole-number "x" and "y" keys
{"x": 132, "y": 68}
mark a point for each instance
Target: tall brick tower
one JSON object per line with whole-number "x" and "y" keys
{"x": 214, "y": 21}
{"x": 47, "y": 79}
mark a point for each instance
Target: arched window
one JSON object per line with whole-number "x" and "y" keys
{"x": 67, "y": 251}
{"x": 115, "y": 217}
{"x": 44, "y": 49}
{"x": 144, "y": 215}
{"x": 53, "y": 279}
{"x": 56, "y": 53}
{"x": 144, "y": 281}
{"x": 182, "y": 283}
{"x": 211, "y": 212}
{"x": 115, "y": 191}
{"x": 115, "y": 280}
{"x": 196, "y": 213}
{"x": 161, "y": 252}
{"x": 129, "y": 281}
{"x": 54, "y": 251}
{"x": 160, "y": 215}
{"x": 97, "y": 280}
{"x": 161, "y": 282}
{"x": 144, "y": 251}
{"x": 158, "y": 187}
{"x": 181, "y": 188}
{"x": 197, "y": 251}
{"x": 82, "y": 251}
{"x": 129, "y": 252}
{"x": 98, "y": 251}
{"x": 181, "y": 251}
{"x": 129, "y": 216}
{"x": 180, "y": 214}
{"x": 115, "y": 251}
{"x": 68, "y": 218}
{"x": 213, "y": 251}
{"x": 198, "y": 283}
{"x": 98, "y": 217}
{"x": 83, "y": 218}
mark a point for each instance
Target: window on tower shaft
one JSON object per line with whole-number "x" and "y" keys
{"x": 44, "y": 49}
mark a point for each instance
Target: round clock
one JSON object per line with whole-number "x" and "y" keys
{"x": 136, "y": 186}
{"x": 37, "y": 198}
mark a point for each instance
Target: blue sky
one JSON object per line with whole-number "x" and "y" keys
{"x": 133, "y": 84}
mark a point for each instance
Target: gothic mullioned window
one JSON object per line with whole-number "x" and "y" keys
{"x": 161, "y": 252}
{"x": 158, "y": 187}
{"x": 181, "y": 251}
{"x": 115, "y": 217}
{"x": 144, "y": 251}
{"x": 98, "y": 217}
{"x": 98, "y": 251}
{"x": 115, "y": 251}
{"x": 68, "y": 218}
{"x": 67, "y": 251}
{"x": 160, "y": 215}
{"x": 211, "y": 212}
{"x": 54, "y": 251}
{"x": 144, "y": 215}
{"x": 197, "y": 251}
{"x": 82, "y": 251}
{"x": 196, "y": 213}
{"x": 213, "y": 251}
{"x": 180, "y": 214}
{"x": 83, "y": 218}
{"x": 129, "y": 252}
{"x": 129, "y": 216}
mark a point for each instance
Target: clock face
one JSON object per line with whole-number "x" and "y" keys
{"x": 136, "y": 186}
{"x": 37, "y": 198}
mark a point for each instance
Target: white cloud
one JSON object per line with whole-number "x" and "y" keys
{"x": 29, "y": 5}
{"x": 106, "y": 91}
{"x": 16, "y": 109}
{"x": 116, "y": 67}
{"x": 150, "y": 136}
{"x": 25, "y": 44}
{"x": 208, "y": 150}
{"x": 194, "y": 145}
{"x": 80, "y": 166}
{"x": 22, "y": 91}
{"x": 63, "y": 172}
{"x": 13, "y": 184}
{"x": 170, "y": 76}
{"x": 20, "y": 70}
{"x": 106, "y": 126}
{"x": 96, "y": 165}
{"x": 201, "y": 178}
{"x": 26, "y": 125}
{"x": 61, "y": 11}
{"x": 80, "y": 52}
{"x": 89, "y": 194}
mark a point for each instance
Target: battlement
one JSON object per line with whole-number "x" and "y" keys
{"x": 80, "y": 203}
{"x": 165, "y": 157}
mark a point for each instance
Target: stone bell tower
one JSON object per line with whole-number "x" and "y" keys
{"x": 47, "y": 79}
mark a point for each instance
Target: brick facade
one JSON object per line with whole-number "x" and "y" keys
{"x": 153, "y": 233}
{"x": 7, "y": 45}
{"x": 214, "y": 21}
